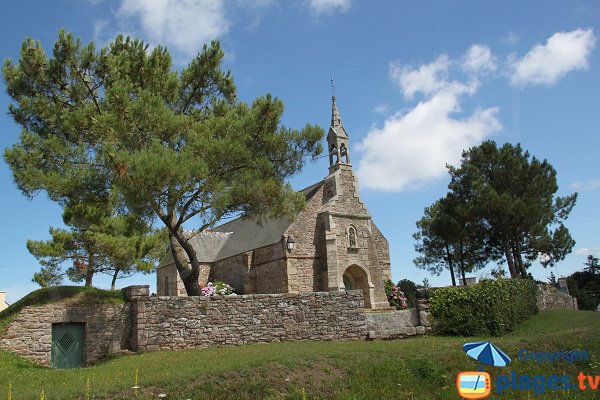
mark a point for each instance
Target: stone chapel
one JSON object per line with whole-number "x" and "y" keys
{"x": 332, "y": 245}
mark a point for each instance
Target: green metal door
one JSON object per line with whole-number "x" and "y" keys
{"x": 67, "y": 346}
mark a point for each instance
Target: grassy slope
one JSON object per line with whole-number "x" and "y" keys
{"x": 418, "y": 368}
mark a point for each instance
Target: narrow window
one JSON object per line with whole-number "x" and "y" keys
{"x": 166, "y": 289}
{"x": 352, "y": 237}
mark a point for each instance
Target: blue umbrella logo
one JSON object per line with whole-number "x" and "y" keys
{"x": 486, "y": 353}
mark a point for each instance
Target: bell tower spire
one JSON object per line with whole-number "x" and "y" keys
{"x": 337, "y": 139}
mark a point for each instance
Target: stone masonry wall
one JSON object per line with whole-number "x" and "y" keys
{"x": 550, "y": 298}
{"x": 394, "y": 324}
{"x": 169, "y": 283}
{"x": 348, "y": 200}
{"x": 271, "y": 277}
{"x": 306, "y": 263}
{"x": 192, "y": 322}
{"x": 232, "y": 270}
{"x": 269, "y": 268}
{"x": 382, "y": 252}
{"x": 107, "y": 329}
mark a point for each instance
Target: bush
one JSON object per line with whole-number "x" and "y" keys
{"x": 488, "y": 308}
{"x": 216, "y": 288}
{"x": 409, "y": 288}
{"x": 395, "y": 296}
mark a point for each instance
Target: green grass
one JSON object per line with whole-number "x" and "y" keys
{"x": 56, "y": 293}
{"x": 417, "y": 368}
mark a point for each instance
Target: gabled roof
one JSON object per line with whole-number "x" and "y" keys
{"x": 239, "y": 235}
{"x": 246, "y": 234}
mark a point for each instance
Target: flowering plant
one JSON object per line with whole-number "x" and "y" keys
{"x": 395, "y": 296}
{"x": 216, "y": 288}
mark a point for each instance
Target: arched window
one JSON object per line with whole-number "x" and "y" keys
{"x": 333, "y": 154}
{"x": 352, "y": 237}
{"x": 343, "y": 153}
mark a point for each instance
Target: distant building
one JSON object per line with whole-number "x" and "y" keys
{"x": 333, "y": 245}
{"x": 3, "y": 303}
{"x": 470, "y": 281}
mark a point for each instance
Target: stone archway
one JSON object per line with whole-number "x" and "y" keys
{"x": 356, "y": 278}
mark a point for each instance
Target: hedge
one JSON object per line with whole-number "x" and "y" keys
{"x": 492, "y": 307}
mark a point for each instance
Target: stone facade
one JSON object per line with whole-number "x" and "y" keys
{"x": 107, "y": 329}
{"x": 337, "y": 245}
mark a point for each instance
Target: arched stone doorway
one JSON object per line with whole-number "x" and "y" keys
{"x": 355, "y": 278}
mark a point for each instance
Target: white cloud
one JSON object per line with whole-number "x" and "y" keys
{"x": 184, "y": 25}
{"x": 510, "y": 38}
{"x": 586, "y": 251}
{"x": 479, "y": 59}
{"x": 413, "y": 149}
{"x": 382, "y": 109}
{"x": 426, "y": 79}
{"x": 583, "y": 186}
{"x": 545, "y": 64}
{"x": 329, "y": 6}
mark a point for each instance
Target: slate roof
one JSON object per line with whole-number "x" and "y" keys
{"x": 238, "y": 236}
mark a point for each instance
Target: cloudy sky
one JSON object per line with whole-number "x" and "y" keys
{"x": 416, "y": 83}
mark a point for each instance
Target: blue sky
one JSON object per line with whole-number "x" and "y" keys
{"x": 416, "y": 83}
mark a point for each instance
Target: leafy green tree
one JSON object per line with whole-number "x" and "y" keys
{"x": 514, "y": 195}
{"x": 592, "y": 264}
{"x": 433, "y": 242}
{"x": 585, "y": 285}
{"x": 552, "y": 279}
{"x": 434, "y": 249}
{"x": 131, "y": 246}
{"x": 450, "y": 237}
{"x": 409, "y": 288}
{"x": 96, "y": 243}
{"x": 175, "y": 145}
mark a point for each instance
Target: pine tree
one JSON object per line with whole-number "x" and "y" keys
{"x": 514, "y": 195}
{"x": 174, "y": 145}
{"x": 450, "y": 237}
{"x": 97, "y": 241}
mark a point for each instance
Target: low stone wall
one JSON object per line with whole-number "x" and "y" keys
{"x": 550, "y": 298}
{"x": 394, "y": 324}
{"x": 107, "y": 329}
{"x": 192, "y": 322}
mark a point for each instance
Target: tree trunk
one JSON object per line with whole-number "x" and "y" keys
{"x": 462, "y": 263}
{"x": 509, "y": 258}
{"x": 114, "y": 279}
{"x": 519, "y": 260}
{"x": 89, "y": 272}
{"x": 188, "y": 271}
{"x": 450, "y": 266}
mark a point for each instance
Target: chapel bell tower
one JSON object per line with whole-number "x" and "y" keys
{"x": 337, "y": 140}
